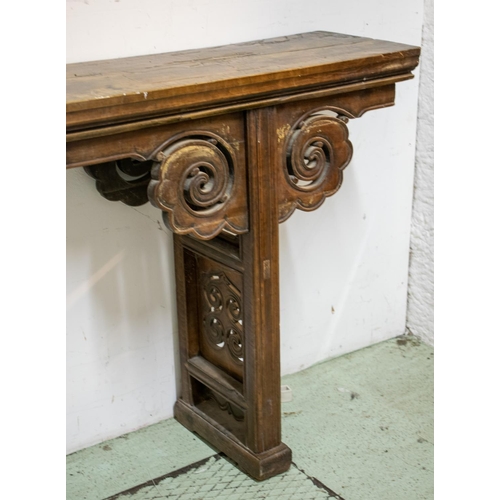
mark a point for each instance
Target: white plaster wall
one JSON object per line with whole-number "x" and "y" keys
{"x": 420, "y": 320}
{"x": 344, "y": 268}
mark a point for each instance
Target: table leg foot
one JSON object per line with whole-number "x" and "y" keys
{"x": 260, "y": 466}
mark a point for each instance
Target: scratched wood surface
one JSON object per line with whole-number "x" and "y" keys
{"x": 118, "y": 90}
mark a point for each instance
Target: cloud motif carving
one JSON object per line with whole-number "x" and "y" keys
{"x": 316, "y": 152}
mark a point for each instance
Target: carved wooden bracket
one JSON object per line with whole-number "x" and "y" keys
{"x": 124, "y": 180}
{"x": 195, "y": 184}
{"x": 193, "y": 179}
{"x": 316, "y": 152}
{"x": 228, "y": 152}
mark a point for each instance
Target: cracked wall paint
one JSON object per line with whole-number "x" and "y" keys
{"x": 420, "y": 315}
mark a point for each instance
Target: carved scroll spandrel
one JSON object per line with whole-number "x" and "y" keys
{"x": 195, "y": 183}
{"x": 316, "y": 151}
{"x": 124, "y": 180}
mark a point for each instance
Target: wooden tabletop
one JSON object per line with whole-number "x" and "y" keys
{"x": 113, "y": 91}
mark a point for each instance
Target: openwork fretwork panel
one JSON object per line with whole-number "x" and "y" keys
{"x": 221, "y": 318}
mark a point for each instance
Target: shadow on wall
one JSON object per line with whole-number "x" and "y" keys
{"x": 120, "y": 315}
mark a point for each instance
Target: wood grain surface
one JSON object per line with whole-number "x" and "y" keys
{"x": 118, "y": 90}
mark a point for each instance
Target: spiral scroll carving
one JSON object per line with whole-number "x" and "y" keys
{"x": 206, "y": 182}
{"x": 222, "y": 315}
{"x": 215, "y": 331}
{"x": 316, "y": 152}
{"x": 309, "y": 161}
{"x": 192, "y": 182}
{"x": 235, "y": 343}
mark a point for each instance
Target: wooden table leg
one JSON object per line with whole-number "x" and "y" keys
{"x": 228, "y": 307}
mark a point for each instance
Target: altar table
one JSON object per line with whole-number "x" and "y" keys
{"x": 228, "y": 142}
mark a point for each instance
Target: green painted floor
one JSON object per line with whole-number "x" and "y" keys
{"x": 360, "y": 428}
